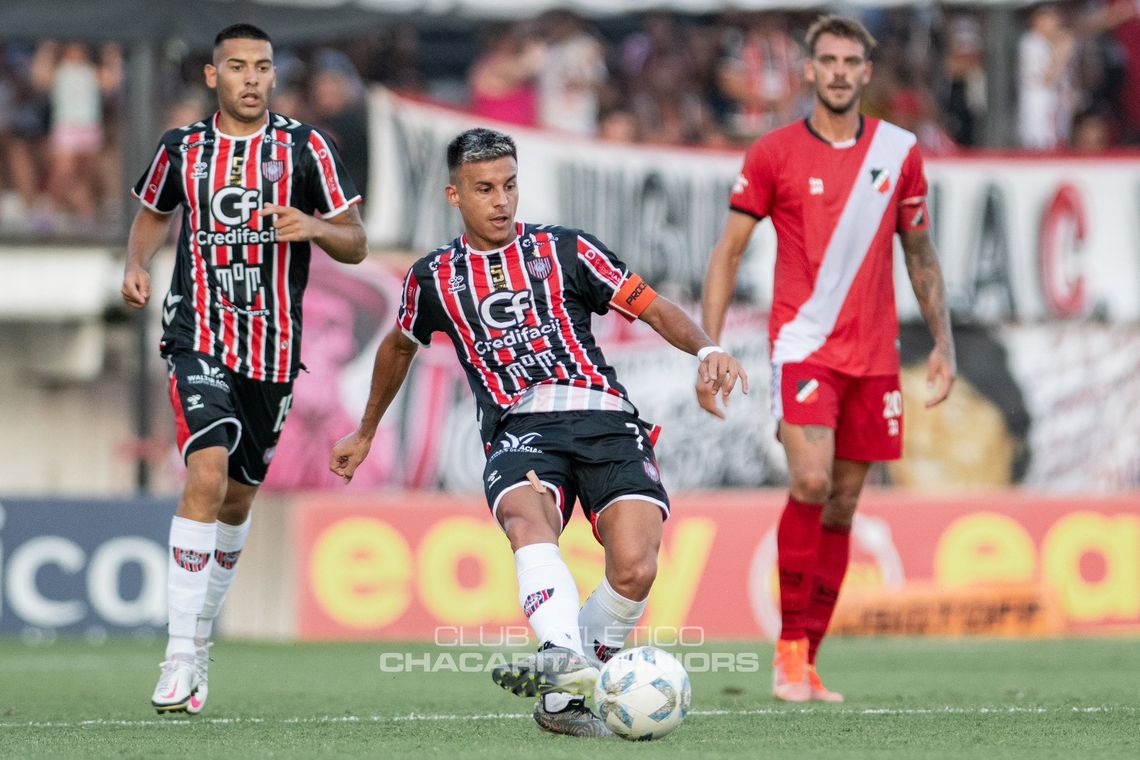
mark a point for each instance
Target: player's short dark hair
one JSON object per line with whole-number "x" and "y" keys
{"x": 241, "y": 32}
{"x": 479, "y": 144}
{"x": 839, "y": 26}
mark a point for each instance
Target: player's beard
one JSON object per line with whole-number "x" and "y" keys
{"x": 856, "y": 94}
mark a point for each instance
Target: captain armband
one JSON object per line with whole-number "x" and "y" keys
{"x": 633, "y": 297}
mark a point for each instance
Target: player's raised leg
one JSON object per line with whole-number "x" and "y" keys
{"x": 630, "y": 531}
{"x": 193, "y": 536}
{"x": 548, "y": 595}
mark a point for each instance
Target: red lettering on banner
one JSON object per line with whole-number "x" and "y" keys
{"x": 1061, "y": 253}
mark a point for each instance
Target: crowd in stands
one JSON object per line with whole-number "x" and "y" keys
{"x": 715, "y": 81}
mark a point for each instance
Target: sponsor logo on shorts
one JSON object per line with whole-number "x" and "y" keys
{"x": 194, "y": 402}
{"x": 807, "y": 391}
{"x": 267, "y": 457}
{"x": 536, "y": 600}
{"x": 215, "y": 377}
{"x": 652, "y": 471}
{"x": 513, "y": 444}
{"x": 226, "y": 560}
{"x": 493, "y": 478}
{"x": 190, "y": 560}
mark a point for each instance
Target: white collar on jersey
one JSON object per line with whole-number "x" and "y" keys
{"x": 477, "y": 252}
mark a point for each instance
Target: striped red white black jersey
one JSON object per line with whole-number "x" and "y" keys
{"x": 519, "y": 318}
{"x": 236, "y": 291}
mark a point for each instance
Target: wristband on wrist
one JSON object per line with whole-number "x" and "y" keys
{"x": 704, "y": 352}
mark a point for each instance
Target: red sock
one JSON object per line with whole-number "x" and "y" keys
{"x": 797, "y": 541}
{"x": 830, "y": 567}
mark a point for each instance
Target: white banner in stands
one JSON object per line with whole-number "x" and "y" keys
{"x": 1020, "y": 238}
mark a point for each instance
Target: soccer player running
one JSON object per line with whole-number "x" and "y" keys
{"x": 838, "y": 187}
{"x": 516, "y": 301}
{"x": 249, "y": 182}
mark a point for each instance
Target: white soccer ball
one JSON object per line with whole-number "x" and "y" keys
{"x": 642, "y": 694}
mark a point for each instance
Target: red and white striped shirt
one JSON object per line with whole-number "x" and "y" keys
{"x": 236, "y": 291}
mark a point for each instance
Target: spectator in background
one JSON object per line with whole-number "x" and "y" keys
{"x": 760, "y": 77}
{"x": 23, "y": 127}
{"x": 573, "y": 71}
{"x": 964, "y": 95}
{"x": 336, "y": 100}
{"x": 1121, "y": 20}
{"x": 913, "y": 109}
{"x": 1045, "y": 80}
{"x": 669, "y": 109}
{"x": 502, "y": 79}
{"x": 76, "y": 86}
{"x": 1092, "y": 132}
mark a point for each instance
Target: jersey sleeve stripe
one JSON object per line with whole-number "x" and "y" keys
{"x": 330, "y": 180}
{"x": 155, "y": 180}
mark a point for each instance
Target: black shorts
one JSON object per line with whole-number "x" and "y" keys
{"x": 216, "y": 407}
{"x": 595, "y": 457}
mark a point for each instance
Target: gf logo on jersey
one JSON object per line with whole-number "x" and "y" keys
{"x": 234, "y": 205}
{"x": 740, "y": 185}
{"x": 815, "y": 186}
{"x": 881, "y": 180}
{"x": 505, "y": 309}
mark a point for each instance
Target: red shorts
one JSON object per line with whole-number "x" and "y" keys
{"x": 866, "y": 413}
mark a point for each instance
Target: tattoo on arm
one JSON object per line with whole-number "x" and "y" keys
{"x": 926, "y": 280}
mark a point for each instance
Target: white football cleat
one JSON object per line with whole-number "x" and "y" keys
{"x": 201, "y": 668}
{"x": 175, "y": 685}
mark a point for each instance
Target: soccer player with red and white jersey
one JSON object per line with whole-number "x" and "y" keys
{"x": 250, "y": 184}
{"x": 516, "y": 301}
{"x": 838, "y": 187}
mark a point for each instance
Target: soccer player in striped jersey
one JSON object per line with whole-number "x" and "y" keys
{"x": 838, "y": 186}
{"x": 251, "y": 185}
{"x": 516, "y": 301}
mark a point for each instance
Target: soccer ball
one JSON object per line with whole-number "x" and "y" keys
{"x": 642, "y": 694}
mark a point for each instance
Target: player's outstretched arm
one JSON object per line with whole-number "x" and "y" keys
{"x": 148, "y": 231}
{"x": 930, "y": 290}
{"x": 719, "y": 370}
{"x": 341, "y": 236}
{"x": 393, "y": 358}
{"x": 720, "y": 282}
{"x": 724, "y": 263}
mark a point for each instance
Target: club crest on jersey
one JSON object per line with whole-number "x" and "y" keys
{"x": 273, "y": 170}
{"x": 539, "y": 267}
{"x": 881, "y": 180}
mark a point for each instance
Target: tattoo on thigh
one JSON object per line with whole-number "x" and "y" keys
{"x": 816, "y": 433}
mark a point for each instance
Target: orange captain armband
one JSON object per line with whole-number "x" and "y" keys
{"x": 633, "y": 297}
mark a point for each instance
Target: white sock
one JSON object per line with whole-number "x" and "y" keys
{"x": 606, "y": 619}
{"x": 231, "y": 540}
{"x": 188, "y": 575}
{"x": 548, "y": 595}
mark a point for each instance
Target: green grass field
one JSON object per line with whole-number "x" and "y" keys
{"x": 984, "y": 700}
